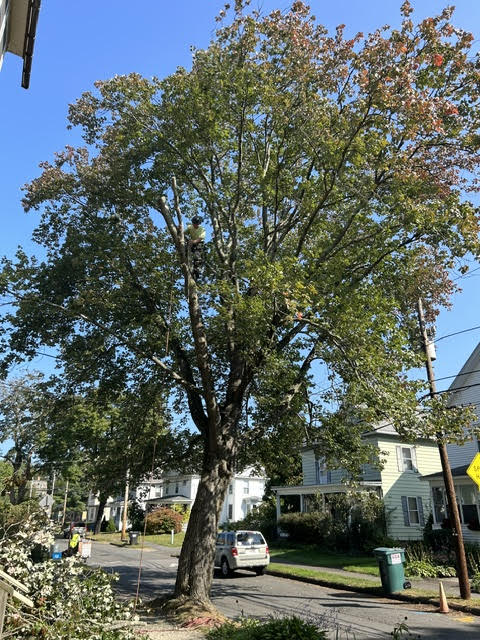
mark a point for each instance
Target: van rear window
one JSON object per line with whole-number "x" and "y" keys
{"x": 249, "y": 538}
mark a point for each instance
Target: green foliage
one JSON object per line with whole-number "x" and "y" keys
{"x": 184, "y": 512}
{"x": 472, "y": 555}
{"x": 263, "y": 518}
{"x": 290, "y": 628}
{"x": 420, "y": 568}
{"x": 350, "y": 521}
{"x": 111, "y": 527}
{"x": 426, "y": 562}
{"x": 163, "y": 520}
{"x": 333, "y": 176}
{"x": 136, "y": 515}
{"x": 71, "y": 600}
{"x": 475, "y": 582}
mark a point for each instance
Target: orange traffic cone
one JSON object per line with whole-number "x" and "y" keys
{"x": 443, "y": 600}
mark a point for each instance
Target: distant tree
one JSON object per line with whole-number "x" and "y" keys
{"x": 331, "y": 174}
{"x": 24, "y": 409}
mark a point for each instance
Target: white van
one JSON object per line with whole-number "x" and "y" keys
{"x": 241, "y": 550}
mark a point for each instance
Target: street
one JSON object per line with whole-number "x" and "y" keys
{"x": 358, "y": 616}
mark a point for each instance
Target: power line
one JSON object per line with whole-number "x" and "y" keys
{"x": 449, "y": 335}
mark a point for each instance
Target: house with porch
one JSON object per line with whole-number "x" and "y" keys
{"x": 406, "y": 498}
{"x": 245, "y": 493}
{"x": 464, "y": 391}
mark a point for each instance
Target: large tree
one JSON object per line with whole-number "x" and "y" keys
{"x": 331, "y": 175}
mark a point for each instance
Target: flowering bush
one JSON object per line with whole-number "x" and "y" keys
{"x": 71, "y": 600}
{"x": 163, "y": 520}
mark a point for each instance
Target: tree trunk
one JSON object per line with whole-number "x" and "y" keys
{"x": 195, "y": 566}
{"x": 100, "y": 511}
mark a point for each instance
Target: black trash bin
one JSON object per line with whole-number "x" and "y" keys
{"x": 133, "y": 536}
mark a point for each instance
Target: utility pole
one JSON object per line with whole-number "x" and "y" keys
{"x": 125, "y": 506}
{"x": 463, "y": 581}
{"x": 65, "y": 503}
{"x": 53, "y": 491}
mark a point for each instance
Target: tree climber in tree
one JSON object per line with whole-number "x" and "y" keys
{"x": 196, "y": 236}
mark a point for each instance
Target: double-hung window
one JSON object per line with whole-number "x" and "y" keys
{"x": 322, "y": 475}
{"x": 412, "y": 507}
{"x": 406, "y": 458}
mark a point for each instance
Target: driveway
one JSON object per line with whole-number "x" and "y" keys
{"x": 360, "y": 617}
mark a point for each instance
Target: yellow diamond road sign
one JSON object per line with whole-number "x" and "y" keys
{"x": 474, "y": 469}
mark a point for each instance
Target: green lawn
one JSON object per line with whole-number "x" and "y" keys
{"x": 311, "y": 555}
{"x": 164, "y": 539}
{"x": 323, "y": 576}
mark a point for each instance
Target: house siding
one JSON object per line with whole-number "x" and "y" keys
{"x": 396, "y": 484}
{"x": 308, "y": 466}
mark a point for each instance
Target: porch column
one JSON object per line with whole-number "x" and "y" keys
{"x": 277, "y": 499}
{"x": 301, "y": 503}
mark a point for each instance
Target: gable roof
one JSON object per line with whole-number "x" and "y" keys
{"x": 471, "y": 366}
{"x": 456, "y": 472}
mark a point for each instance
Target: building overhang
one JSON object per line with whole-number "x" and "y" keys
{"x": 312, "y": 489}
{"x": 170, "y": 500}
{"x": 22, "y": 28}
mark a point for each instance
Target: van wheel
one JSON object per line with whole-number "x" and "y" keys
{"x": 225, "y": 569}
{"x": 259, "y": 571}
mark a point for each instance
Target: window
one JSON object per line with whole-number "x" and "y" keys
{"x": 413, "y": 511}
{"x": 468, "y": 504}
{"x": 322, "y": 475}
{"x": 221, "y": 538}
{"x": 158, "y": 492}
{"x": 246, "y": 488}
{"x": 406, "y": 459}
{"x": 230, "y": 489}
{"x": 230, "y": 511}
{"x": 176, "y": 488}
{"x": 412, "y": 507}
{"x": 439, "y": 504}
{"x": 184, "y": 483}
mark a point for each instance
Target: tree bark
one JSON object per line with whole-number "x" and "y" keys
{"x": 195, "y": 566}
{"x": 100, "y": 511}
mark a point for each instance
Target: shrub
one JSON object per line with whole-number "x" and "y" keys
{"x": 352, "y": 521}
{"x": 315, "y": 527}
{"x": 110, "y": 528}
{"x": 291, "y": 628}
{"x": 263, "y": 518}
{"x": 421, "y": 568}
{"x": 163, "y": 520}
{"x": 475, "y": 584}
{"x": 472, "y": 555}
{"x": 136, "y": 516}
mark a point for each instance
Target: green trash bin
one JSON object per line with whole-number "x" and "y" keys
{"x": 392, "y": 574}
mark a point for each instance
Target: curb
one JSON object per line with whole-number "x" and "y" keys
{"x": 377, "y": 591}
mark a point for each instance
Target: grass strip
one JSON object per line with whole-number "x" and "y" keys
{"x": 311, "y": 555}
{"x": 348, "y": 583}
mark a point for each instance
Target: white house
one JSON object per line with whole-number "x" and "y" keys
{"x": 406, "y": 498}
{"x": 464, "y": 390}
{"x": 244, "y": 494}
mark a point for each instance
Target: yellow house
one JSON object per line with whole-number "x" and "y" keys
{"x": 406, "y": 497}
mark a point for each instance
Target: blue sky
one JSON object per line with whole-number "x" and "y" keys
{"x": 80, "y": 42}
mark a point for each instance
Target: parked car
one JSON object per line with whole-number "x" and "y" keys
{"x": 75, "y": 527}
{"x": 241, "y": 550}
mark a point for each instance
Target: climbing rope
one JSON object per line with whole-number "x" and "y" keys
{"x": 140, "y": 564}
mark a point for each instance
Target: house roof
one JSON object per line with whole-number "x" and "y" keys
{"x": 456, "y": 472}
{"x": 470, "y": 366}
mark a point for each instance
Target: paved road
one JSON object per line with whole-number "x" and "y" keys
{"x": 359, "y": 617}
